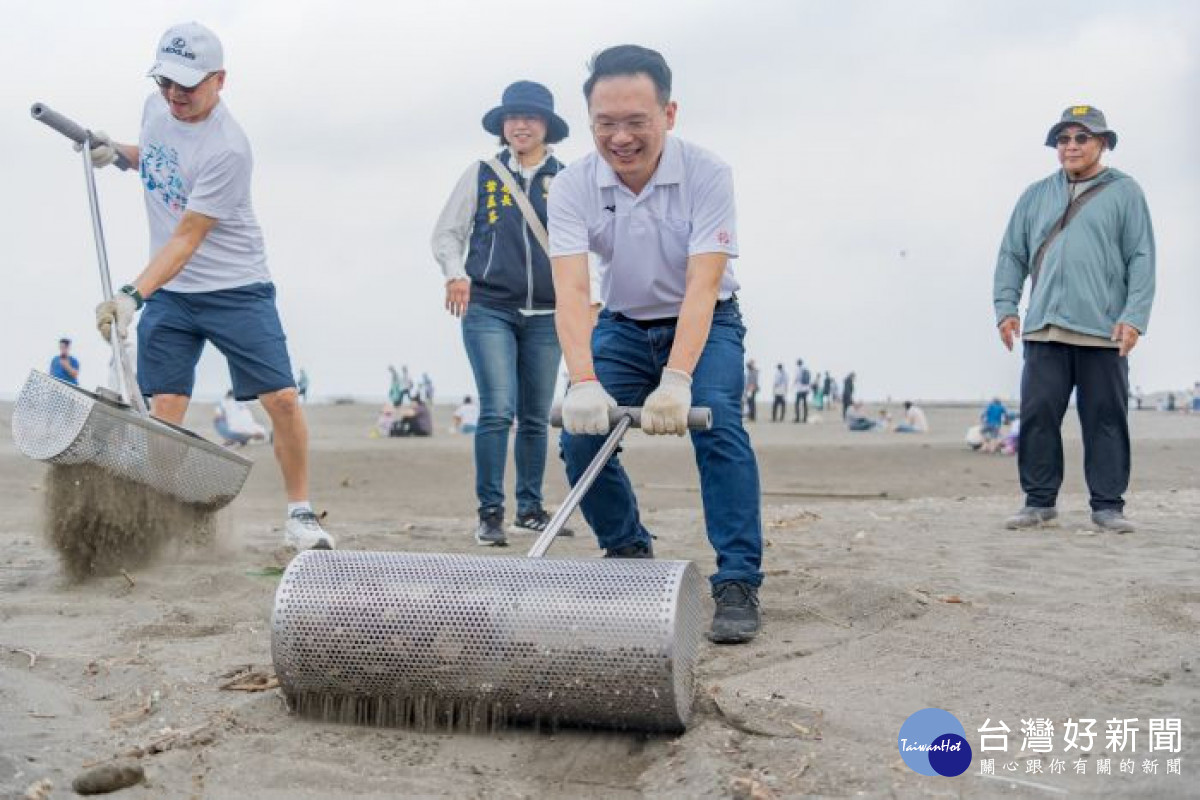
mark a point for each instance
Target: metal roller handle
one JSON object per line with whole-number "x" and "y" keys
{"x": 621, "y": 419}
{"x": 699, "y": 419}
{"x": 133, "y": 393}
{"x": 72, "y": 130}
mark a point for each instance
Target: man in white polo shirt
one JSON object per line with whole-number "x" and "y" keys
{"x": 659, "y": 213}
{"x": 207, "y": 279}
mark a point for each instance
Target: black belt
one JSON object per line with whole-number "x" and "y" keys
{"x": 662, "y": 322}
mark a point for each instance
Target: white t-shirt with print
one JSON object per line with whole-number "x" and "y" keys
{"x": 203, "y": 167}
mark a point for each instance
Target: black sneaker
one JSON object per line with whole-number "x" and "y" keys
{"x": 490, "y": 532}
{"x": 636, "y": 550}
{"x": 737, "y": 619}
{"x": 535, "y": 522}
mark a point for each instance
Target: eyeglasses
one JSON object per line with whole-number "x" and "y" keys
{"x": 166, "y": 83}
{"x": 633, "y": 127}
{"x": 1081, "y": 138}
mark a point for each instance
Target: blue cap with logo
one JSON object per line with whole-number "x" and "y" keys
{"x": 187, "y": 54}
{"x": 1089, "y": 118}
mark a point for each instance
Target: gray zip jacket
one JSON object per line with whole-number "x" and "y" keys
{"x": 1099, "y": 271}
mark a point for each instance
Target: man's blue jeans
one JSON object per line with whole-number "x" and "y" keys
{"x": 515, "y": 359}
{"x": 629, "y": 361}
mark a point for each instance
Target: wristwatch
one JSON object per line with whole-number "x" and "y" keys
{"x": 132, "y": 291}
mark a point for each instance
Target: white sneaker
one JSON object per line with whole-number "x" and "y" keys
{"x": 304, "y": 532}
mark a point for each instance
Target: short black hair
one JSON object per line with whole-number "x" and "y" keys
{"x": 630, "y": 59}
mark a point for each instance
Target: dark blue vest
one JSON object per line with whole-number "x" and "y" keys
{"x": 508, "y": 267}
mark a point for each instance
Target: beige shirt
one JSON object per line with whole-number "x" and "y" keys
{"x": 1053, "y": 333}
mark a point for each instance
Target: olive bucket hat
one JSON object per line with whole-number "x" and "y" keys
{"x": 1087, "y": 117}
{"x": 527, "y": 97}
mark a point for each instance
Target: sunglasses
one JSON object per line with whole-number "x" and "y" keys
{"x": 1064, "y": 139}
{"x": 166, "y": 83}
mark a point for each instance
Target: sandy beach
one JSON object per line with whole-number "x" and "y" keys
{"x": 891, "y": 587}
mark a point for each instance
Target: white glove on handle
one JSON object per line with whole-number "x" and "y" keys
{"x": 585, "y": 408}
{"x": 104, "y": 154}
{"x": 119, "y": 310}
{"x": 666, "y": 409}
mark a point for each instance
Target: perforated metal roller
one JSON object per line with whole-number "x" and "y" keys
{"x": 456, "y": 641}
{"x": 473, "y": 641}
{"x": 58, "y": 423}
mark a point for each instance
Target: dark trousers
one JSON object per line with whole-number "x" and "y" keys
{"x": 752, "y": 405}
{"x": 779, "y": 409}
{"x": 1100, "y": 378}
{"x": 801, "y": 400}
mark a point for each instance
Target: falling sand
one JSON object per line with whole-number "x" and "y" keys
{"x": 99, "y": 523}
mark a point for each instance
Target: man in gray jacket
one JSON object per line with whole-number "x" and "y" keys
{"x": 1083, "y": 237}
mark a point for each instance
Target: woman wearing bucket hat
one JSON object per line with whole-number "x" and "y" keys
{"x": 504, "y": 293}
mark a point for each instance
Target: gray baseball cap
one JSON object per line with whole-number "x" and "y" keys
{"x": 1088, "y": 117}
{"x": 187, "y": 54}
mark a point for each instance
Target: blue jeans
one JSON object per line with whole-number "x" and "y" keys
{"x": 629, "y": 361}
{"x": 515, "y": 359}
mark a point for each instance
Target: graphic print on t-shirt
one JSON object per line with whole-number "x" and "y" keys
{"x": 160, "y": 174}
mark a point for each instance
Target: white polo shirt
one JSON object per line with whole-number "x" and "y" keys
{"x": 644, "y": 241}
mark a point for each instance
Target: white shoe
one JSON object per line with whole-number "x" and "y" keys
{"x": 304, "y": 532}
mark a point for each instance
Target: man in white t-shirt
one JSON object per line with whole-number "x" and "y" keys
{"x": 207, "y": 280}
{"x": 659, "y": 212}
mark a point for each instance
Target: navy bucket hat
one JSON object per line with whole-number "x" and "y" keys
{"x": 1089, "y": 118}
{"x": 527, "y": 97}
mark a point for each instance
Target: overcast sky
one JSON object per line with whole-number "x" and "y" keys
{"x": 878, "y": 149}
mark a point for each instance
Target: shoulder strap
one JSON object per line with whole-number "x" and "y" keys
{"x": 518, "y": 194}
{"x": 1072, "y": 209}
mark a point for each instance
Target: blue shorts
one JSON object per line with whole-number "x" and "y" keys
{"x": 242, "y": 323}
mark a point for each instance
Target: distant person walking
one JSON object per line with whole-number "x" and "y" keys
{"x": 847, "y": 393}
{"x": 751, "y": 390}
{"x": 779, "y": 390}
{"x": 395, "y": 387}
{"x": 829, "y": 389}
{"x": 504, "y": 294}
{"x": 803, "y": 383}
{"x": 65, "y": 366}
{"x": 1091, "y": 290}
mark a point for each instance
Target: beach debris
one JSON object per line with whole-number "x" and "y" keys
{"x": 771, "y": 716}
{"x": 249, "y": 679}
{"x": 128, "y": 577}
{"x": 108, "y": 778}
{"x": 265, "y": 572}
{"x": 32, "y": 655}
{"x": 749, "y": 788}
{"x": 170, "y": 739}
{"x": 949, "y": 598}
{"x": 39, "y": 790}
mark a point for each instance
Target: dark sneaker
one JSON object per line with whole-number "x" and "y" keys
{"x": 490, "y": 532}
{"x": 636, "y": 550}
{"x": 1112, "y": 520}
{"x": 1030, "y": 517}
{"x": 535, "y": 522}
{"x": 737, "y": 619}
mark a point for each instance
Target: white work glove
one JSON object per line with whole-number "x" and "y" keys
{"x": 104, "y": 154}
{"x": 585, "y": 408}
{"x": 120, "y": 310}
{"x": 666, "y": 409}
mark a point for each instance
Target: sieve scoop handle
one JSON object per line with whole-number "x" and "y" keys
{"x": 699, "y": 419}
{"x": 70, "y": 129}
